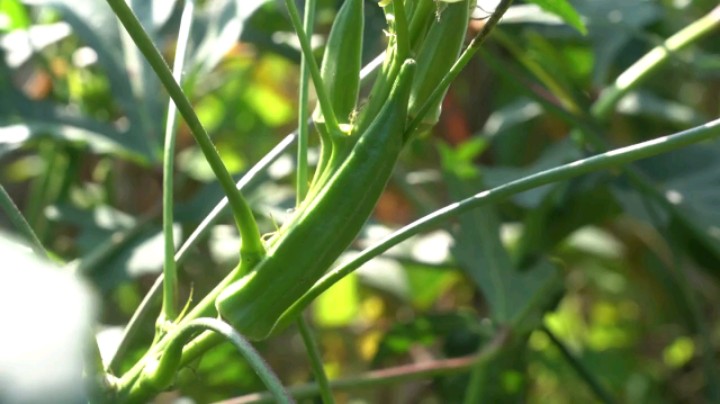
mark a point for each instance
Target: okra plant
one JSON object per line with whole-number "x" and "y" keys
{"x": 362, "y": 123}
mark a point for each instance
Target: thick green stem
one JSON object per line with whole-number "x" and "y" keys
{"x": 613, "y": 158}
{"x": 252, "y": 249}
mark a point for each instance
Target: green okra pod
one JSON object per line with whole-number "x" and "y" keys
{"x": 438, "y": 52}
{"x": 342, "y": 60}
{"x": 324, "y": 228}
{"x": 340, "y": 72}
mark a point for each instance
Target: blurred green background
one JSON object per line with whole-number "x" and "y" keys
{"x": 629, "y": 285}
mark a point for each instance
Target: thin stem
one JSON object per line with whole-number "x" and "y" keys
{"x": 252, "y": 249}
{"x": 303, "y": 110}
{"x": 602, "y": 161}
{"x": 301, "y": 192}
{"x": 19, "y": 222}
{"x": 162, "y": 374}
{"x": 456, "y": 68}
{"x": 323, "y": 98}
{"x": 552, "y": 84}
{"x": 169, "y": 311}
{"x": 394, "y": 375}
{"x": 143, "y": 311}
{"x": 315, "y": 361}
{"x": 652, "y": 60}
{"x": 582, "y": 371}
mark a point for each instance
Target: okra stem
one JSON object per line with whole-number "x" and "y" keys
{"x": 252, "y": 248}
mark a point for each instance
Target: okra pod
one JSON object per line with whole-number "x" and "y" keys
{"x": 324, "y": 228}
{"x": 439, "y": 51}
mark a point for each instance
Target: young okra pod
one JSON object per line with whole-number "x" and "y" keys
{"x": 340, "y": 72}
{"x": 342, "y": 60}
{"x": 438, "y": 52}
{"x": 324, "y": 228}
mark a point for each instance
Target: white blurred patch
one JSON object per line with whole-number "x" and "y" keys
{"x": 47, "y": 315}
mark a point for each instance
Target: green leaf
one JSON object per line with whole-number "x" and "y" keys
{"x": 564, "y": 10}
{"x": 514, "y": 296}
{"x": 689, "y": 179}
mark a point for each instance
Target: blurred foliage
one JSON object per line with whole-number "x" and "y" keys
{"x": 628, "y": 284}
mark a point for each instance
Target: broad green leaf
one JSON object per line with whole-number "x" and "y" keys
{"x": 564, "y": 10}
{"x": 611, "y": 24}
{"x": 514, "y": 296}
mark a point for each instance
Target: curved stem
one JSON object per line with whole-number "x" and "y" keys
{"x": 169, "y": 311}
{"x": 252, "y": 247}
{"x": 602, "y": 161}
{"x": 162, "y": 373}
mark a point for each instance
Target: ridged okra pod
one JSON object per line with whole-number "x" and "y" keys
{"x": 438, "y": 52}
{"x": 322, "y": 230}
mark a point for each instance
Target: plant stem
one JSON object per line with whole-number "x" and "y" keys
{"x": 252, "y": 248}
{"x": 143, "y": 311}
{"x": 315, "y": 361}
{"x": 303, "y": 110}
{"x": 650, "y": 62}
{"x": 323, "y": 98}
{"x": 602, "y": 161}
{"x": 301, "y": 191}
{"x": 579, "y": 368}
{"x": 169, "y": 312}
{"x": 19, "y": 222}
{"x": 456, "y": 68}
{"x": 163, "y": 374}
{"x": 398, "y": 374}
